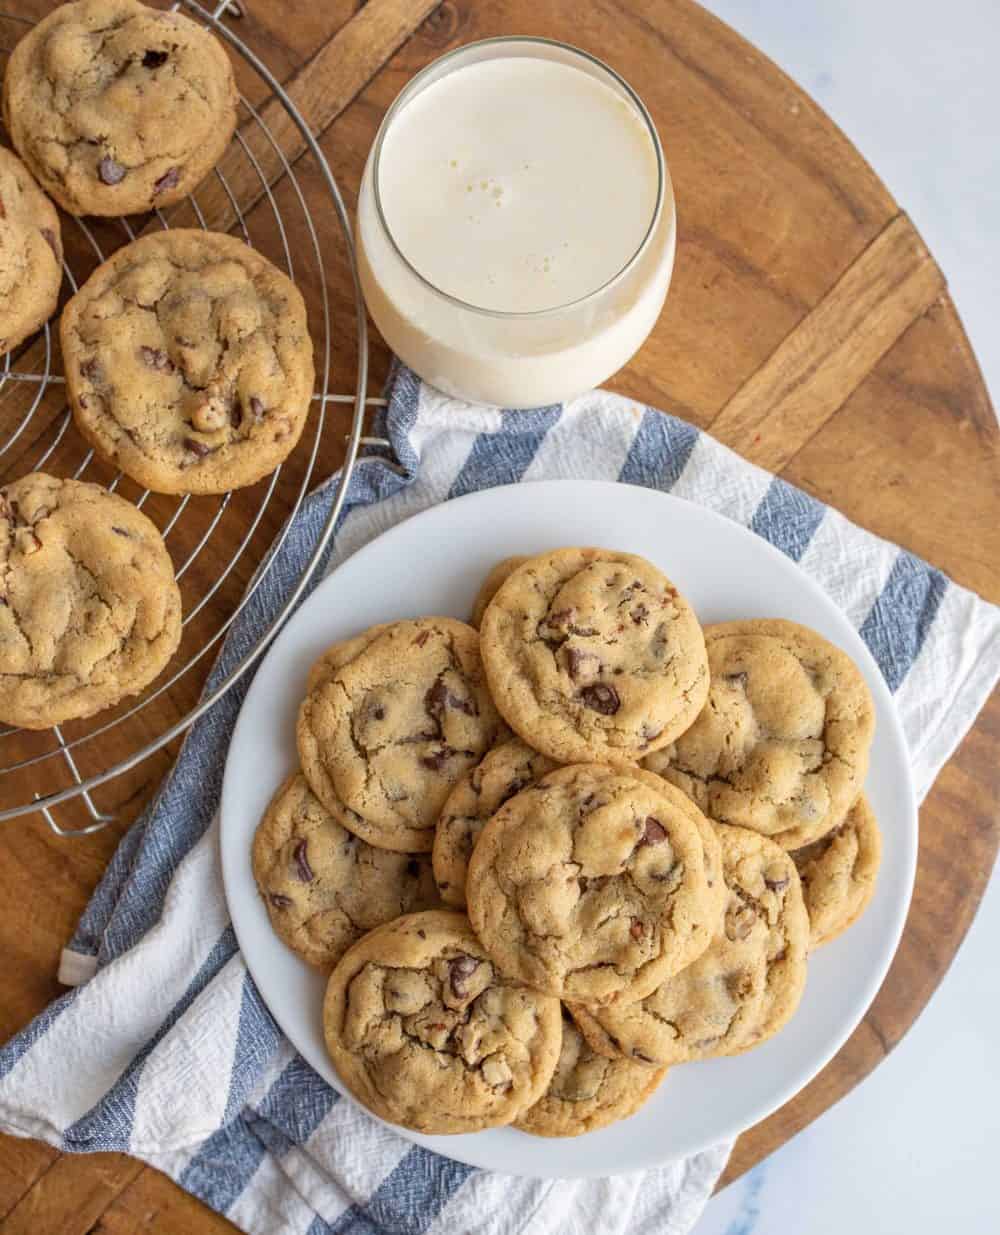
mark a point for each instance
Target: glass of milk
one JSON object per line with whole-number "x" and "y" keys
{"x": 516, "y": 224}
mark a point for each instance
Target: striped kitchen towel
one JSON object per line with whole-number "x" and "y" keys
{"x": 165, "y": 1051}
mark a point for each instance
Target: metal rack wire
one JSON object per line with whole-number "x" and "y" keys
{"x": 44, "y": 424}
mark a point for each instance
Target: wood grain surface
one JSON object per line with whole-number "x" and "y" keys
{"x": 807, "y": 326}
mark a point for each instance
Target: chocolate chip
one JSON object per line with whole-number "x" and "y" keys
{"x": 436, "y": 762}
{"x": 279, "y": 900}
{"x": 639, "y": 614}
{"x": 120, "y": 531}
{"x": 637, "y": 929}
{"x": 655, "y": 833}
{"x": 196, "y": 447}
{"x": 156, "y": 359}
{"x": 422, "y": 934}
{"x": 741, "y": 923}
{"x": 50, "y": 239}
{"x": 91, "y": 370}
{"x": 256, "y": 407}
{"x": 300, "y": 854}
{"x": 169, "y": 180}
{"x": 110, "y": 170}
{"x": 413, "y": 868}
{"x": 439, "y": 699}
{"x": 235, "y": 416}
{"x": 601, "y": 698}
{"x": 460, "y": 969}
{"x": 422, "y": 638}
{"x": 154, "y": 59}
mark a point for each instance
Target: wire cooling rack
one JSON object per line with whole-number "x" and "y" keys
{"x": 221, "y": 536}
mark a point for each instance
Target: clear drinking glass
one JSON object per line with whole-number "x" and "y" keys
{"x": 513, "y": 359}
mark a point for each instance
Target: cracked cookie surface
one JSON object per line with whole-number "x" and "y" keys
{"x": 89, "y": 608}
{"x": 588, "y": 1091}
{"x": 499, "y": 575}
{"x": 782, "y": 743}
{"x": 188, "y": 362}
{"x": 323, "y": 886}
{"x": 426, "y": 1033}
{"x": 838, "y": 873}
{"x": 474, "y": 800}
{"x": 742, "y": 989}
{"x": 392, "y": 720}
{"x": 118, "y": 108}
{"x": 30, "y": 254}
{"x": 593, "y": 654}
{"x": 590, "y": 885}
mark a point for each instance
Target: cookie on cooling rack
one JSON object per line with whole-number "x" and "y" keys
{"x": 323, "y": 886}
{"x": 188, "y": 362}
{"x": 30, "y": 253}
{"x": 118, "y": 108}
{"x": 89, "y": 608}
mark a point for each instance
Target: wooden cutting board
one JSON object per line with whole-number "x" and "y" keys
{"x": 807, "y": 327}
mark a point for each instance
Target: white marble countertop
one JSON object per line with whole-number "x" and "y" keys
{"x": 916, "y": 86}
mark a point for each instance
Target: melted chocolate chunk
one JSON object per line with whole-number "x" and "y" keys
{"x": 154, "y": 59}
{"x": 460, "y": 970}
{"x": 300, "y": 854}
{"x": 196, "y": 447}
{"x": 156, "y": 359}
{"x": 655, "y": 833}
{"x": 111, "y": 171}
{"x": 279, "y": 900}
{"x": 168, "y": 180}
{"x": 601, "y": 698}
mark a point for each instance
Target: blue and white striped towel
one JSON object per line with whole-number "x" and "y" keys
{"x": 165, "y": 1050}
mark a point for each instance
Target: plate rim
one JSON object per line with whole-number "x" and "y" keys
{"x": 885, "y": 709}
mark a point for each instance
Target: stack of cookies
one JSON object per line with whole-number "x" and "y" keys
{"x": 547, "y": 860}
{"x": 187, "y": 355}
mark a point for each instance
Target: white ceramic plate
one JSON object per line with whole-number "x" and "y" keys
{"x": 433, "y": 564}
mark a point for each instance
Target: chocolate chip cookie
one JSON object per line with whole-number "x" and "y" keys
{"x": 30, "y": 254}
{"x": 593, "y": 654}
{"x": 500, "y": 573}
{"x": 590, "y": 885}
{"x": 743, "y": 989}
{"x": 838, "y": 873}
{"x": 425, "y": 1031}
{"x": 479, "y": 795}
{"x": 118, "y": 108}
{"x": 782, "y": 744}
{"x": 323, "y": 886}
{"x": 588, "y": 1091}
{"x": 188, "y": 362}
{"x": 392, "y": 720}
{"x": 89, "y": 609}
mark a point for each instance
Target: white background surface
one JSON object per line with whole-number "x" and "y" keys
{"x": 915, "y": 84}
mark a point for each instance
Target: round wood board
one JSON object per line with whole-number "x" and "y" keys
{"x": 807, "y": 327}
